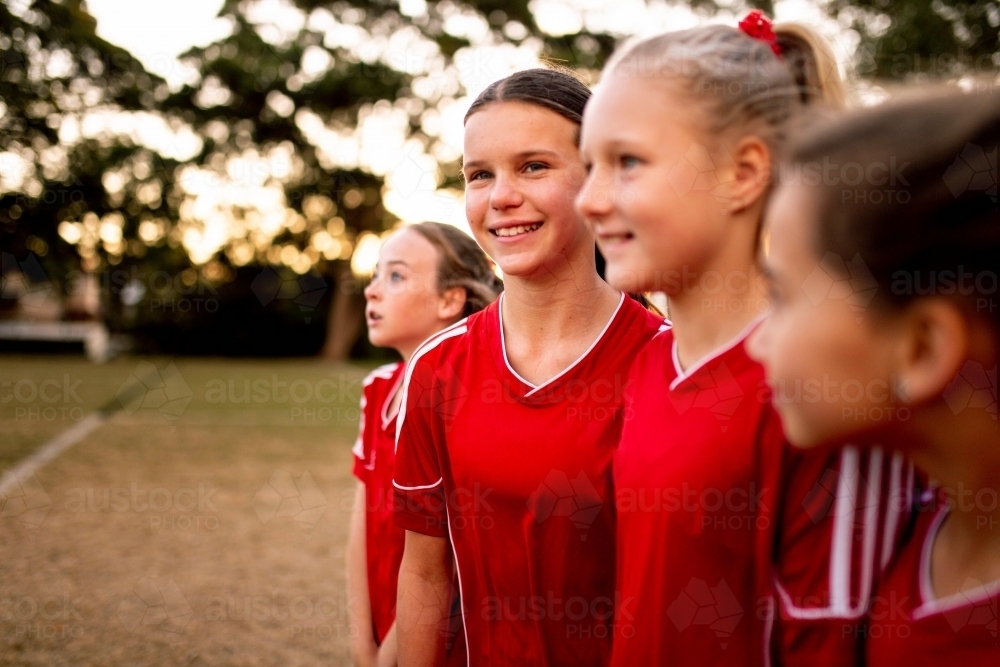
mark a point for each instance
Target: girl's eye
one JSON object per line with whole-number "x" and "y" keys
{"x": 628, "y": 161}
{"x": 478, "y": 175}
{"x": 395, "y": 276}
{"x": 532, "y": 167}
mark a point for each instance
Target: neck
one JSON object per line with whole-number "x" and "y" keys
{"x": 554, "y": 303}
{"x": 961, "y": 453}
{"x": 719, "y": 299}
{"x": 715, "y": 304}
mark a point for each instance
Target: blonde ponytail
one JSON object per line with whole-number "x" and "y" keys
{"x": 810, "y": 59}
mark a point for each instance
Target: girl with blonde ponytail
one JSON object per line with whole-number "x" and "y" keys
{"x": 681, "y": 139}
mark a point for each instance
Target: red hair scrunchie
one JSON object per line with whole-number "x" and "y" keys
{"x": 759, "y": 27}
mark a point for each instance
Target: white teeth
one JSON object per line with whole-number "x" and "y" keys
{"x": 514, "y": 231}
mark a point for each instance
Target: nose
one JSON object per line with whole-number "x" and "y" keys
{"x": 505, "y": 194}
{"x": 373, "y": 290}
{"x": 596, "y": 197}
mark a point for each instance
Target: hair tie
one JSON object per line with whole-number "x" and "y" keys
{"x": 759, "y": 27}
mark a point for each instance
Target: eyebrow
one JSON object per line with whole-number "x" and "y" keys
{"x": 518, "y": 157}
{"x": 397, "y": 261}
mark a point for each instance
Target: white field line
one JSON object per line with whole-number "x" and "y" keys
{"x": 51, "y": 449}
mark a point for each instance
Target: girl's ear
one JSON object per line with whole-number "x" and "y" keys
{"x": 933, "y": 347}
{"x": 751, "y": 174}
{"x": 451, "y": 303}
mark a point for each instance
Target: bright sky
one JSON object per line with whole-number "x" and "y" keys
{"x": 158, "y": 31}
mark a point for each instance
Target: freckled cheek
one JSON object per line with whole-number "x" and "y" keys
{"x": 475, "y": 206}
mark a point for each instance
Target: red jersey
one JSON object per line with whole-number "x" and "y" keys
{"x": 843, "y": 516}
{"x": 517, "y": 476}
{"x": 695, "y": 479}
{"x": 374, "y": 456}
{"x": 912, "y": 626}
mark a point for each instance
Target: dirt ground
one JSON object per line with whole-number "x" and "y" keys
{"x": 203, "y": 524}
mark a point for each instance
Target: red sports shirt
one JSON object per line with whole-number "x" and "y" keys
{"x": 843, "y": 516}
{"x": 911, "y": 626}
{"x": 518, "y": 477}
{"x": 374, "y": 456}
{"x": 695, "y": 478}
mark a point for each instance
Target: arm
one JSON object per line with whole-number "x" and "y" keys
{"x": 424, "y": 600}
{"x": 363, "y": 647}
{"x": 387, "y": 652}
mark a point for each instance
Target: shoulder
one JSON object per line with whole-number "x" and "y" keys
{"x": 661, "y": 341}
{"x": 640, "y": 320}
{"x": 381, "y": 378}
{"x": 386, "y": 372}
{"x": 441, "y": 344}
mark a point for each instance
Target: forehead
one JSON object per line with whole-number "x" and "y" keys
{"x": 511, "y": 127}
{"x": 410, "y": 246}
{"x": 635, "y": 108}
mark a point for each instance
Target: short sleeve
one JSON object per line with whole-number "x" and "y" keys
{"x": 419, "y": 496}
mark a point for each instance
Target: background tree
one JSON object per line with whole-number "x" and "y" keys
{"x": 224, "y": 213}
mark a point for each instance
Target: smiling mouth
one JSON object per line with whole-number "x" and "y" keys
{"x": 616, "y": 238}
{"x": 504, "y": 232}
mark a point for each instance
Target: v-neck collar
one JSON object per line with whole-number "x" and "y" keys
{"x": 929, "y": 602}
{"x": 683, "y": 375}
{"x": 533, "y": 388}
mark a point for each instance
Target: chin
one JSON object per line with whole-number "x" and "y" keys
{"x": 379, "y": 339}
{"x": 803, "y": 435}
{"x": 519, "y": 265}
{"x": 626, "y": 280}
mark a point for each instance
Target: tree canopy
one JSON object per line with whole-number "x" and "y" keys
{"x": 306, "y": 132}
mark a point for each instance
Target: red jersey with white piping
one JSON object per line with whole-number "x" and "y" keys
{"x": 517, "y": 476}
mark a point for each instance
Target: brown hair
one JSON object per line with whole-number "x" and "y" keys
{"x": 555, "y": 89}
{"x": 938, "y": 221}
{"x": 462, "y": 264}
{"x": 739, "y": 80}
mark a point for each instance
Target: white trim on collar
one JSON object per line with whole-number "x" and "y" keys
{"x": 536, "y": 388}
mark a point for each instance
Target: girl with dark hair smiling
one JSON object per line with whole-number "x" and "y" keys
{"x": 510, "y": 418}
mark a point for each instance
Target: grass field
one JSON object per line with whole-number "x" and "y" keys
{"x": 204, "y": 523}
